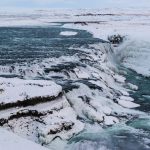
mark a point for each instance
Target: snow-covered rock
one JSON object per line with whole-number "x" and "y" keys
{"x": 14, "y": 89}
{"x": 44, "y": 122}
{"x": 62, "y": 124}
{"x": 110, "y": 120}
{"x": 128, "y": 104}
{"x": 126, "y": 98}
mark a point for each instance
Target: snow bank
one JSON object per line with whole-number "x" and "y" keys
{"x": 13, "y": 90}
{"x": 133, "y": 24}
{"x": 43, "y": 122}
{"x": 10, "y": 141}
{"x": 126, "y": 98}
{"x": 91, "y": 105}
{"x": 128, "y": 104}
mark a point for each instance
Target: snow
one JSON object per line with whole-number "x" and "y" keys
{"x": 126, "y": 98}
{"x": 68, "y": 33}
{"x": 119, "y": 78}
{"x": 131, "y": 23}
{"x": 110, "y": 120}
{"x": 63, "y": 119}
{"x": 125, "y": 93}
{"x": 90, "y": 104}
{"x": 66, "y": 116}
{"x": 128, "y": 104}
{"x": 121, "y": 21}
{"x": 10, "y": 141}
{"x": 81, "y": 74}
{"x": 17, "y": 89}
{"x": 132, "y": 86}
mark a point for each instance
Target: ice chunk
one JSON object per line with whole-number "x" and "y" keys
{"x": 128, "y": 104}
{"x": 126, "y": 98}
{"x": 132, "y": 86}
{"x": 68, "y": 33}
{"x": 110, "y": 120}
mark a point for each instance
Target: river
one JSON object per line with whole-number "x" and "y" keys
{"x": 23, "y": 50}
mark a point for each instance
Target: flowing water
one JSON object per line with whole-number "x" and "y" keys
{"x": 20, "y": 45}
{"x": 26, "y": 49}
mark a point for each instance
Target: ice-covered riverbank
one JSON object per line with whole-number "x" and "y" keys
{"x": 133, "y": 24}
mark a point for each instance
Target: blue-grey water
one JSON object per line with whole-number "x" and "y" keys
{"x": 19, "y": 45}
{"x": 22, "y": 46}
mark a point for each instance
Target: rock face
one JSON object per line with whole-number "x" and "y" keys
{"x": 115, "y": 39}
{"x": 40, "y": 116}
{"x": 82, "y": 23}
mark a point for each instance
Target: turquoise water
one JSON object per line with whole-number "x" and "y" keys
{"x": 142, "y": 95}
{"x": 19, "y": 45}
